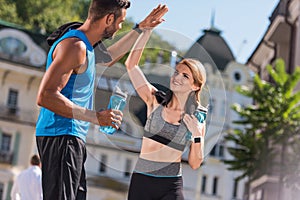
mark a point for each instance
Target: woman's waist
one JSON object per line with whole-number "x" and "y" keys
{"x": 158, "y": 169}
{"x": 155, "y": 151}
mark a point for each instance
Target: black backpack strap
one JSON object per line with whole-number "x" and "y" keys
{"x": 61, "y": 31}
{"x": 102, "y": 55}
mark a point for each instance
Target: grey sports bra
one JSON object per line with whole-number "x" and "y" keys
{"x": 159, "y": 130}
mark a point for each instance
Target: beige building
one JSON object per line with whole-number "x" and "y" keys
{"x": 22, "y": 63}
{"x": 281, "y": 40}
{"x": 224, "y": 74}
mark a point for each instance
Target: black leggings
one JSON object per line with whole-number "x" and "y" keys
{"x": 143, "y": 187}
{"x": 63, "y": 174}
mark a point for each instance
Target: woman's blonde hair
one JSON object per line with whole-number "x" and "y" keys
{"x": 199, "y": 74}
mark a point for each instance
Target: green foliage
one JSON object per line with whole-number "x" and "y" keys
{"x": 247, "y": 149}
{"x": 46, "y": 15}
{"x": 154, "y": 47}
{"x": 8, "y": 12}
{"x": 269, "y": 126}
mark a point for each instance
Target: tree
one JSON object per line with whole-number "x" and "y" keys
{"x": 267, "y": 142}
{"x": 8, "y": 11}
{"x": 47, "y": 14}
{"x": 44, "y": 15}
{"x": 154, "y": 47}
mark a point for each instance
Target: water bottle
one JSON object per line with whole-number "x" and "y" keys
{"x": 117, "y": 101}
{"x": 200, "y": 113}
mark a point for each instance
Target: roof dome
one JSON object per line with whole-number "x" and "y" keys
{"x": 212, "y": 44}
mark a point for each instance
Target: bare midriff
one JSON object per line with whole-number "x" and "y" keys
{"x": 155, "y": 151}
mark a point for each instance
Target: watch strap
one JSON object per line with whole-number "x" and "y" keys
{"x": 137, "y": 28}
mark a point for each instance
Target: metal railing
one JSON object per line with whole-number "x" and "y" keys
{"x": 18, "y": 115}
{"x": 6, "y": 157}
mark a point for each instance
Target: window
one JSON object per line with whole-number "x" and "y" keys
{"x": 237, "y": 76}
{"x": 218, "y": 150}
{"x": 12, "y": 101}
{"x": 215, "y": 186}
{"x": 213, "y": 151}
{"x": 5, "y": 147}
{"x": 103, "y": 162}
{"x": 5, "y": 142}
{"x": 127, "y": 168}
{"x": 258, "y": 195}
{"x": 12, "y": 46}
{"x": 235, "y": 189}
{"x": 1, "y": 190}
{"x": 203, "y": 185}
{"x": 221, "y": 150}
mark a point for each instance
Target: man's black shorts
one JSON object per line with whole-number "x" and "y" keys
{"x": 63, "y": 173}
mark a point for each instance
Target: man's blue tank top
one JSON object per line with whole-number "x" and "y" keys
{"x": 79, "y": 89}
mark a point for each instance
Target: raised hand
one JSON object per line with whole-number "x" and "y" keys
{"x": 154, "y": 18}
{"x": 110, "y": 117}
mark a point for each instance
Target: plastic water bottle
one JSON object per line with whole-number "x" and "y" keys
{"x": 200, "y": 113}
{"x": 117, "y": 101}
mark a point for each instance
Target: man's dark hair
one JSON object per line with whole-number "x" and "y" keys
{"x": 100, "y": 8}
{"x": 35, "y": 160}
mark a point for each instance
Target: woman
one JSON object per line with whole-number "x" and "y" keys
{"x": 157, "y": 174}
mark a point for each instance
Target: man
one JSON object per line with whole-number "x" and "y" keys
{"x": 27, "y": 185}
{"x": 66, "y": 96}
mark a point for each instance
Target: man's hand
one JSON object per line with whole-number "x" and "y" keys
{"x": 110, "y": 118}
{"x": 154, "y": 18}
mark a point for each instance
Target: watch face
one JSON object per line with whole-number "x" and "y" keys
{"x": 197, "y": 140}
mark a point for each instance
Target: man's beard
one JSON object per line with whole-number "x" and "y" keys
{"x": 109, "y": 32}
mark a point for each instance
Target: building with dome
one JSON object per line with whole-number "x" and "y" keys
{"x": 213, "y": 50}
{"x": 223, "y": 75}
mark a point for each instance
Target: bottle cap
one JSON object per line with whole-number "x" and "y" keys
{"x": 202, "y": 108}
{"x": 118, "y": 91}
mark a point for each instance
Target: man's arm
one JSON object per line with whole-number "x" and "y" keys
{"x": 69, "y": 56}
{"x": 122, "y": 46}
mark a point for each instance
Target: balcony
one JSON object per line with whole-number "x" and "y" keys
{"x": 18, "y": 115}
{"x": 6, "y": 157}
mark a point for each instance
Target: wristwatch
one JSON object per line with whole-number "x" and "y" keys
{"x": 137, "y": 28}
{"x": 196, "y": 139}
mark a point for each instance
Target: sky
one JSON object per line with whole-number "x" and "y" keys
{"x": 243, "y": 22}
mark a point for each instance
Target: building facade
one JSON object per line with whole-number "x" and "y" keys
{"x": 281, "y": 40}
{"x": 22, "y": 61}
{"x": 224, "y": 74}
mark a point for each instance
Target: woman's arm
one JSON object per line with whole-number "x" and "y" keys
{"x": 196, "y": 154}
{"x": 138, "y": 79}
